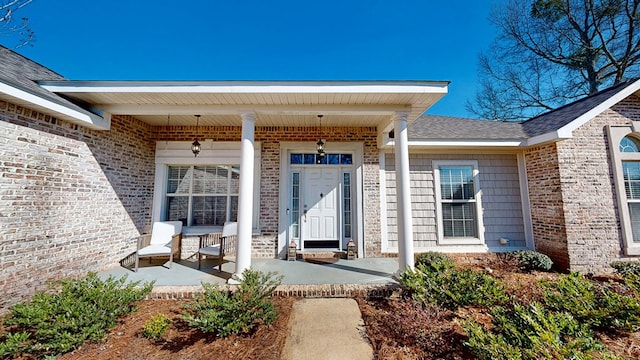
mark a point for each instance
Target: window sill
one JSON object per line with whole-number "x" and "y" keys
{"x": 461, "y": 241}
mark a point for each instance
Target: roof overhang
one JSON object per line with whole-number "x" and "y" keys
{"x": 275, "y": 103}
{"x": 566, "y": 132}
{"x": 69, "y": 113}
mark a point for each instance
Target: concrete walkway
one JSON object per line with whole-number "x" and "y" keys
{"x": 326, "y": 329}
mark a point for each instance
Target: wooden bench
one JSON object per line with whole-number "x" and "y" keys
{"x": 217, "y": 245}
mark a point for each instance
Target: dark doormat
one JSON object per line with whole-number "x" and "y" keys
{"x": 321, "y": 261}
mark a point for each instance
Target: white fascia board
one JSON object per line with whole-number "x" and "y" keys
{"x": 549, "y": 137}
{"x": 239, "y": 88}
{"x": 460, "y": 143}
{"x": 89, "y": 120}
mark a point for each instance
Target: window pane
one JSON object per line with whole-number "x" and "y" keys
{"x": 309, "y": 158}
{"x": 177, "y": 209}
{"x": 346, "y": 208}
{"x": 459, "y": 220}
{"x": 235, "y": 180}
{"x": 209, "y": 210}
{"x": 346, "y": 159}
{"x": 634, "y": 213}
{"x": 210, "y": 180}
{"x": 333, "y": 159}
{"x": 296, "y": 159}
{"x": 629, "y": 144}
{"x": 234, "y": 209}
{"x": 456, "y": 182}
{"x": 179, "y": 180}
{"x": 295, "y": 205}
{"x": 631, "y": 173}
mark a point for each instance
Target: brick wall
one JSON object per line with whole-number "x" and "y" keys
{"x": 572, "y": 194}
{"x": 71, "y": 198}
{"x": 546, "y": 201}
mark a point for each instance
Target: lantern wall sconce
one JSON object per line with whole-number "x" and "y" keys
{"x": 195, "y": 146}
{"x": 320, "y": 143}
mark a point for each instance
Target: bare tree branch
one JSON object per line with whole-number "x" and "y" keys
{"x": 550, "y": 52}
{"x": 15, "y": 27}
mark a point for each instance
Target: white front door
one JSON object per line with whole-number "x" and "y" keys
{"x": 320, "y": 208}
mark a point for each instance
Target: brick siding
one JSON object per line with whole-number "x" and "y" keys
{"x": 573, "y": 198}
{"x": 71, "y": 198}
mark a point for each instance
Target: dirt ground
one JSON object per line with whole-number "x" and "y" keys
{"x": 180, "y": 342}
{"x": 444, "y": 333}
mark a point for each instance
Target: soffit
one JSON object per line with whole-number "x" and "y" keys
{"x": 365, "y": 103}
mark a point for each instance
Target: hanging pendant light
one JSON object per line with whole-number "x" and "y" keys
{"x": 195, "y": 146}
{"x": 320, "y": 143}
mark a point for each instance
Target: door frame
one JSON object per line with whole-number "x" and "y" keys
{"x": 354, "y": 147}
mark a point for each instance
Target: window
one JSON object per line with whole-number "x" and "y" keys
{"x": 203, "y": 194}
{"x": 458, "y": 203}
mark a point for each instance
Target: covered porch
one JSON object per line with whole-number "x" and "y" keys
{"x": 255, "y": 133}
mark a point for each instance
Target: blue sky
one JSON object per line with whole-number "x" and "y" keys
{"x": 265, "y": 40}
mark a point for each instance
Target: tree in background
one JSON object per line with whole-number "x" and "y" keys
{"x": 551, "y": 52}
{"x": 12, "y": 26}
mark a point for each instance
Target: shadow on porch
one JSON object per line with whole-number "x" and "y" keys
{"x": 368, "y": 272}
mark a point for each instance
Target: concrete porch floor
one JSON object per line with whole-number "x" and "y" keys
{"x": 185, "y": 273}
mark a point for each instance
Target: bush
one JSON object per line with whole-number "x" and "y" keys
{"x": 435, "y": 261}
{"x": 78, "y": 311}
{"x": 451, "y": 288}
{"x": 226, "y": 312}
{"x": 529, "y": 260}
{"x": 594, "y": 304}
{"x": 155, "y": 327}
{"x": 533, "y": 332}
{"x": 626, "y": 268}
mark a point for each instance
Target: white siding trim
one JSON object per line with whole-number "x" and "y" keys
{"x": 384, "y": 238}
{"x": 526, "y": 204}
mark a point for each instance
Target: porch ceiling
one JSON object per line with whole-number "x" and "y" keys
{"x": 276, "y": 103}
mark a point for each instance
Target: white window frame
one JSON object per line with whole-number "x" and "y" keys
{"x": 479, "y": 240}
{"x": 615, "y": 135}
{"x": 212, "y": 153}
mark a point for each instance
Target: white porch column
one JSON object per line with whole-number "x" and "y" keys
{"x": 405, "y": 221}
{"x": 245, "y": 206}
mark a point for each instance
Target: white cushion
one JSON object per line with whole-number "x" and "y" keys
{"x": 163, "y": 231}
{"x": 213, "y": 250}
{"x": 230, "y": 229}
{"x": 154, "y": 249}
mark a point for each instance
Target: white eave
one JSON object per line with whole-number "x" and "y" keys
{"x": 27, "y": 99}
{"x": 276, "y": 103}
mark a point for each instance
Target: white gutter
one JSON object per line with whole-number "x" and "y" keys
{"x": 89, "y": 120}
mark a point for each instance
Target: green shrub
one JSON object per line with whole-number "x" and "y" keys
{"x": 226, "y": 312}
{"x": 533, "y": 332}
{"x": 435, "y": 261}
{"x": 529, "y": 260}
{"x": 14, "y": 344}
{"x": 625, "y": 268}
{"x": 592, "y": 303}
{"x": 452, "y": 288}
{"x": 78, "y": 311}
{"x": 155, "y": 327}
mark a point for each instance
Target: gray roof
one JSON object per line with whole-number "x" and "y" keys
{"x": 432, "y": 127}
{"x": 557, "y": 118}
{"x": 435, "y": 127}
{"x": 19, "y": 72}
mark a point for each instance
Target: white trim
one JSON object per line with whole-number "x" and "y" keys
{"x": 415, "y": 144}
{"x": 357, "y": 181}
{"x": 436, "y": 164}
{"x": 384, "y": 235}
{"x": 615, "y": 134}
{"x": 91, "y": 121}
{"x": 247, "y": 87}
{"x": 525, "y": 201}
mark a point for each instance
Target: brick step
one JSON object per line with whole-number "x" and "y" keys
{"x": 320, "y": 254}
